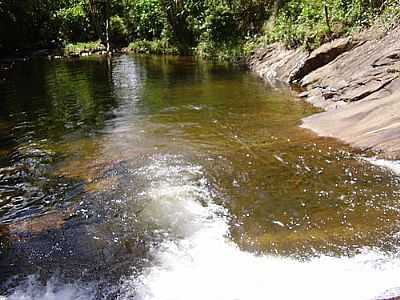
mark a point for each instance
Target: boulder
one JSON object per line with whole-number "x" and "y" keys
{"x": 356, "y": 80}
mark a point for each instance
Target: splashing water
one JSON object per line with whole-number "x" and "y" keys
{"x": 135, "y": 112}
{"x": 33, "y": 289}
{"x": 393, "y": 165}
{"x": 202, "y": 263}
{"x": 205, "y": 264}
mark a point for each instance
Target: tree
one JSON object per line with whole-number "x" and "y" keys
{"x": 100, "y": 14}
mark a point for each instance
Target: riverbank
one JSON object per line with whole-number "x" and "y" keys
{"x": 356, "y": 80}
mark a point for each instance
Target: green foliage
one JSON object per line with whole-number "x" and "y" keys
{"x": 310, "y": 23}
{"x": 79, "y": 48}
{"x": 153, "y": 47}
{"x": 118, "y": 30}
{"x": 145, "y": 19}
{"x": 184, "y": 18}
{"x": 226, "y": 52}
{"x": 390, "y": 16}
{"x": 210, "y": 28}
{"x": 220, "y": 24}
{"x": 27, "y": 24}
{"x": 74, "y": 22}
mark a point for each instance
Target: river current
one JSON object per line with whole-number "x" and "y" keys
{"x": 170, "y": 178}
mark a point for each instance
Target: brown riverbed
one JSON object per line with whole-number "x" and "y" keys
{"x": 139, "y": 177}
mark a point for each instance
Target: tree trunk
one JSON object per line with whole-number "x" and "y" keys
{"x": 108, "y": 35}
{"x": 327, "y": 20}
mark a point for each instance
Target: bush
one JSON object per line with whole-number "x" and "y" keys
{"x": 152, "y": 47}
{"x": 306, "y": 22}
{"x": 145, "y": 19}
{"x": 390, "y": 17}
{"x": 79, "y": 48}
{"x": 118, "y": 31}
{"x": 220, "y": 25}
{"x": 74, "y": 23}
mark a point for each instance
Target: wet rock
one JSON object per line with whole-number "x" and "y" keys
{"x": 38, "y": 224}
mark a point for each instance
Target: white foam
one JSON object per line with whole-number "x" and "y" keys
{"x": 208, "y": 266}
{"x": 393, "y": 165}
{"x": 205, "y": 264}
{"x": 33, "y": 289}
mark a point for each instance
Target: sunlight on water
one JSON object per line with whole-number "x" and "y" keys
{"x": 176, "y": 182}
{"x": 32, "y": 289}
{"x": 204, "y": 264}
{"x": 389, "y": 164}
{"x": 207, "y": 265}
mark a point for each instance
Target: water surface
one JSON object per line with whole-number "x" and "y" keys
{"x": 171, "y": 178}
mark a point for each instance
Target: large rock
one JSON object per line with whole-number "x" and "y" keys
{"x": 322, "y": 56}
{"x": 369, "y": 71}
{"x": 275, "y": 63}
{"x": 368, "y": 124}
{"x": 353, "y": 79}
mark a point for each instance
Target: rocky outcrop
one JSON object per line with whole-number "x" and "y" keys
{"x": 276, "y": 63}
{"x": 322, "y": 56}
{"x": 369, "y": 71}
{"x": 368, "y": 124}
{"x": 357, "y": 80}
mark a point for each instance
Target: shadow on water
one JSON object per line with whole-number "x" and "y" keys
{"x": 45, "y": 226}
{"x": 106, "y": 164}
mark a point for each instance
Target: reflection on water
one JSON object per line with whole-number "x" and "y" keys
{"x": 140, "y": 177}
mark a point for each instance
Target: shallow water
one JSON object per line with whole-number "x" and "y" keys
{"x": 170, "y": 178}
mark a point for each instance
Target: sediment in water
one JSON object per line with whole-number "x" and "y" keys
{"x": 356, "y": 80}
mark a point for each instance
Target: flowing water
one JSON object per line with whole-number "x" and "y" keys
{"x": 174, "y": 179}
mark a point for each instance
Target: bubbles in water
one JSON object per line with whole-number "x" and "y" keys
{"x": 33, "y": 289}
{"x": 205, "y": 264}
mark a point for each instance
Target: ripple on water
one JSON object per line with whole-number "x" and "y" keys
{"x": 206, "y": 264}
{"x": 197, "y": 260}
{"x": 27, "y": 186}
{"x": 231, "y": 172}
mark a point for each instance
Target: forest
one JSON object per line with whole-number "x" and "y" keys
{"x": 222, "y": 28}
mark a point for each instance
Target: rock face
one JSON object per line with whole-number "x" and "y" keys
{"x": 357, "y": 80}
{"x": 276, "y": 63}
{"x": 368, "y": 124}
{"x": 370, "y": 70}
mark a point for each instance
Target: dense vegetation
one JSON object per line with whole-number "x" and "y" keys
{"x": 205, "y": 27}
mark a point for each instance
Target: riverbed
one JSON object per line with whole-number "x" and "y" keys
{"x": 138, "y": 177}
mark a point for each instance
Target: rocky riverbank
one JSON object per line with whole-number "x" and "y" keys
{"x": 356, "y": 80}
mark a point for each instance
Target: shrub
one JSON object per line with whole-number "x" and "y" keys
{"x": 74, "y": 23}
{"x": 118, "y": 31}
{"x": 152, "y": 47}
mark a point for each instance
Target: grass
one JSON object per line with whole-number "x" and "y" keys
{"x": 152, "y": 47}
{"x": 87, "y": 47}
{"x": 307, "y": 26}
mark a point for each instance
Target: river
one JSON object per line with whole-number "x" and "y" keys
{"x": 171, "y": 178}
